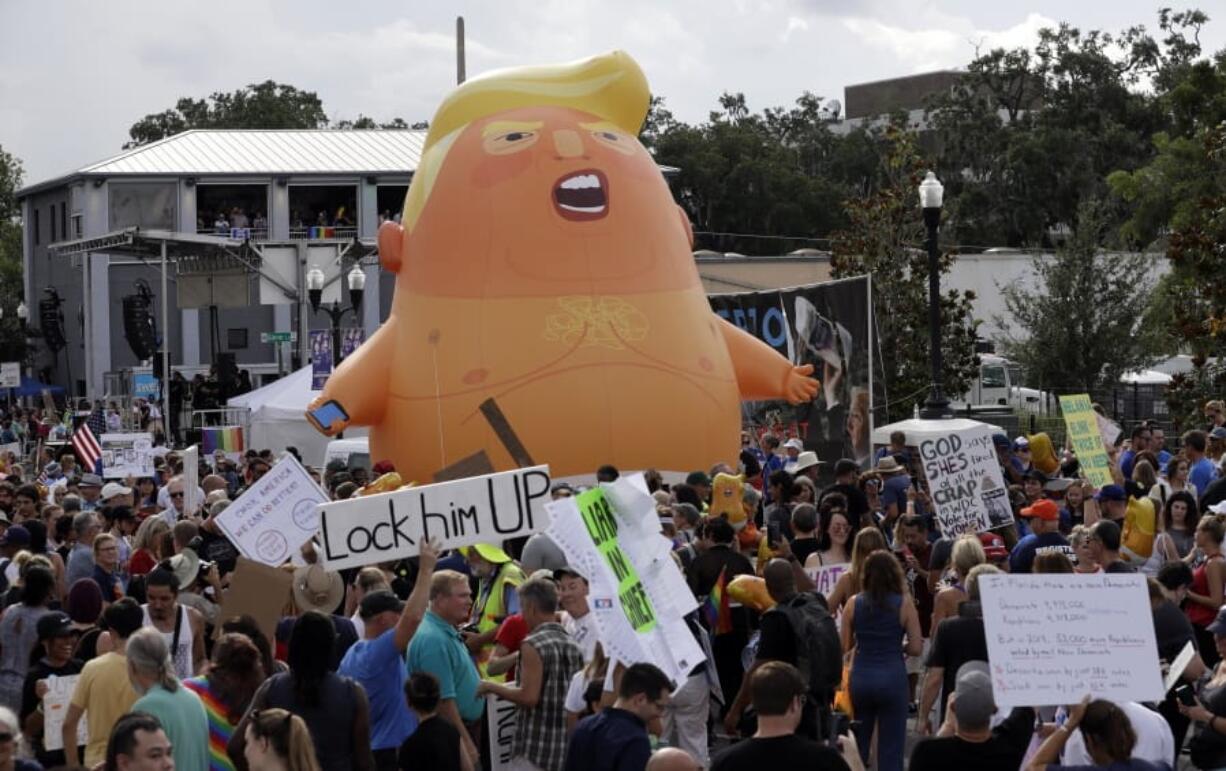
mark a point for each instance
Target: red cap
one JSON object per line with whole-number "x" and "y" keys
{"x": 993, "y": 546}
{"x": 1043, "y": 509}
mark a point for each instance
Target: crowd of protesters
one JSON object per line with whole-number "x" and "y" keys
{"x": 122, "y": 583}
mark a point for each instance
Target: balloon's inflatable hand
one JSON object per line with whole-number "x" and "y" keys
{"x": 798, "y": 386}
{"x": 327, "y": 415}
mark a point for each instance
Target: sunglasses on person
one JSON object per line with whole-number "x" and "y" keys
{"x": 176, "y": 495}
{"x": 5, "y": 738}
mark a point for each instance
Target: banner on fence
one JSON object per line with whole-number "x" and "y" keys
{"x": 1053, "y": 638}
{"x": 127, "y": 455}
{"x": 462, "y": 512}
{"x": 964, "y": 479}
{"x": 826, "y": 325}
{"x": 1086, "y": 438}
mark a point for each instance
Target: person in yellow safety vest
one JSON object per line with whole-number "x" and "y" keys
{"x": 498, "y": 578}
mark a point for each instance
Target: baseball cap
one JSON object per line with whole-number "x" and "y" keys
{"x": 567, "y": 570}
{"x": 55, "y": 624}
{"x": 1021, "y": 443}
{"x": 112, "y": 489}
{"x": 698, "y": 478}
{"x": 90, "y": 480}
{"x": 1111, "y": 493}
{"x": 794, "y": 444}
{"x": 487, "y": 552}
{"x": 16, "y": 535}
{"x": 993, "y": 546}
{"x": 973, "y": 702}
{"x": 1043, "y": 509}
{"x": 379, "y": 602}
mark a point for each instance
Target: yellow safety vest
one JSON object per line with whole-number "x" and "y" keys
{"x": 490, "y": 615}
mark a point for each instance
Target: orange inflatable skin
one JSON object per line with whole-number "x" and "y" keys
{"x": 550, "y": 270}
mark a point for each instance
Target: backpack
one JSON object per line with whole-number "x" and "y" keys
{"x": 819, "y": 652}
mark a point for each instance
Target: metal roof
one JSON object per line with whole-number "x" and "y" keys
{"x": 327, "y": 151}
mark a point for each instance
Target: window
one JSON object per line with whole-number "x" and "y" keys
{"x": 236, "y": 338}
{"x": 37, "y": 234}
{"x": 238, "y": 211}
{"x": 992, "y": 376}
{"x": 323, "y": 211}
{"x": 51, "y": 223}
{"x": 64, "y": 220}
{"x": 148, "y": 205}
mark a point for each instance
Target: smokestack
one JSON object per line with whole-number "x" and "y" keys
{"x": 459, "y": 50}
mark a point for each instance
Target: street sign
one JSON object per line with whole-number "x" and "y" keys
{"x": 278, "y": 337}
{"x": 10, "y": 374}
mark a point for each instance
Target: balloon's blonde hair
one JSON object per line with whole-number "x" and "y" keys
{"x": 610, "y": 86}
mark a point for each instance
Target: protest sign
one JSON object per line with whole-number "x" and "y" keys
{"x": 258, "y": 591}
{"x": 500, "y": 725}
{"x": 14, "y": 447}
{"x": 1086, "y": 438}
{"x": 964, "y": 479}
{"x": 126, "y": 455}
{"x": 144, "y": 386}
{"x": 276, "y": 515}
{"x": 191, "y": 480}
{"x": 55, "y": 707}
{"x": 462, "y": 512}
{"x": 1053, "y": 638}
{"x": 636, "y": 591}
{"x": 826, "y": 576}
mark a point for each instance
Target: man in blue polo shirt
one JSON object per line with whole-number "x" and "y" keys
{"x": 377, "y": 662}
{"x": 439, "y": 649}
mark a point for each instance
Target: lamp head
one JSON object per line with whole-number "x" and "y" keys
{"x": 931, "y": 192}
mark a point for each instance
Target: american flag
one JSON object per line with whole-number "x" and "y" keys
{"x": 86, "y": 446}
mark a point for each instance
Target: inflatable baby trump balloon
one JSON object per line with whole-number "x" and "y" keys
{"x": 541, "y": 263}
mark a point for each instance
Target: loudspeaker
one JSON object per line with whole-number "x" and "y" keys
{"x": 227, "y": 373}
{"x": 138, "y": 327}
{"x": 49, "y": 320}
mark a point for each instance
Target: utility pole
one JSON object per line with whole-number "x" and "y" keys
{"x": 460, "y": 75}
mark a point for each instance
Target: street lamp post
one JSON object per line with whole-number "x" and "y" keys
{"x": 356, "y": 281}
{"x": 931, "y": 195}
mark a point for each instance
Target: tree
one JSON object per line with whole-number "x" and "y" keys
{"x": 881, "y": 238}
{"x": 1080, "y": 325}
{"x": 12, "y": 341}
{"x": 267, "y": 105}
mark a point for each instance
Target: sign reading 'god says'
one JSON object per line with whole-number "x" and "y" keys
{"x": 462, "y": 512}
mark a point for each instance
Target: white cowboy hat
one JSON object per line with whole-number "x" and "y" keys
{"x": 806, "y": 459}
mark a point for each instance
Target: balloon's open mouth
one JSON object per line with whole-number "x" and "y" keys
{"x": 582, "y": 195}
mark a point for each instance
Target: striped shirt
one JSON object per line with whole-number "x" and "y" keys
{"x": 220, "y": 727}
{"x": 540, "y": 734}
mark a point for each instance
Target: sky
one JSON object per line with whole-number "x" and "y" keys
{"x": 75, "y": 75}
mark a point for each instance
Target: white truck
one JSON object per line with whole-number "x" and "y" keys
{"x": 998, "y": 384}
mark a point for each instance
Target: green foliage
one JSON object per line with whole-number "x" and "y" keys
{"x": 1078, "y": 325}
{"x": 884, "y": 225}
{"x": 12, "y": 342}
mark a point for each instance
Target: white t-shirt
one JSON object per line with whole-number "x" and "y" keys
{"x": 583, "y": 631}
{"x": 1155, "y": 742}
{"x": 574, "y": 693}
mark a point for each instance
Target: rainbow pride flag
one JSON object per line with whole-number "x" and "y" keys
{"x": 228, "y": 439}
{"x": 716, "y": 608}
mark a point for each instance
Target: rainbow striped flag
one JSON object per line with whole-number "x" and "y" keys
{"x": 228, "y": 439}
{"x": 716, "y": 608}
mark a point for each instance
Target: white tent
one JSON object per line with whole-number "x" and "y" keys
{"x": 276, "y": 417}
{"x": 917, "y": 429}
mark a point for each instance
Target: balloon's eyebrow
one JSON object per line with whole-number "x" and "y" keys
{"x": 505, "y": 126}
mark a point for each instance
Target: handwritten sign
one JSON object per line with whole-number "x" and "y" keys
{"x": 500, "y": 724}
{"x": 276, "y": 515}
{"x": 826, "y": 576}
{"x": 127, "y": 455}
{"x": 191, "y": 480}
{"x": 1053, "y": 638}
{"x": 636, "y": 591}
{"x": 387, "y": 527}
{"x": 10, "y": 374}
{"x": 1086, "y": 438}
{"x": 55, "y": 706}
{"x": 964, "y": 478}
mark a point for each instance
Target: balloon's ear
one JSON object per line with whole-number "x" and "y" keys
{"x": 685, "y": 224}
{"x": 391, "y": 246}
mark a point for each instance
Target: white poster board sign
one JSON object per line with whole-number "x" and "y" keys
{"x": 55, "y": 707}
{"x": 964, "y": 478}
{"x": 191, "y": 480}
{"x": 826, "y": 576}
{"x": 10, "y": 374}
{"x": 389, "y": 526}
{"x": 1053, "y": 638}
{"x": 500, "y": 719}
{"x": 276, "y": 515}
{"x": 126, "y": 455}
{"x": 13, "y": 447}
{"x": 636, "y": 591}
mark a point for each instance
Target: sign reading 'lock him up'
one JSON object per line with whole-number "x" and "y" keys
{"x": 390, "y": 526}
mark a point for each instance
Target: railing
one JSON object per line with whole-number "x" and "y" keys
{"x": 323, "y": 232}
{"x": 238, "y": 234}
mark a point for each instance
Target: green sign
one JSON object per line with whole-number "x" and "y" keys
{"x": 277, "y": 337}
{"x": 602, "y": 526}
{"x": 1086, "y": 439}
